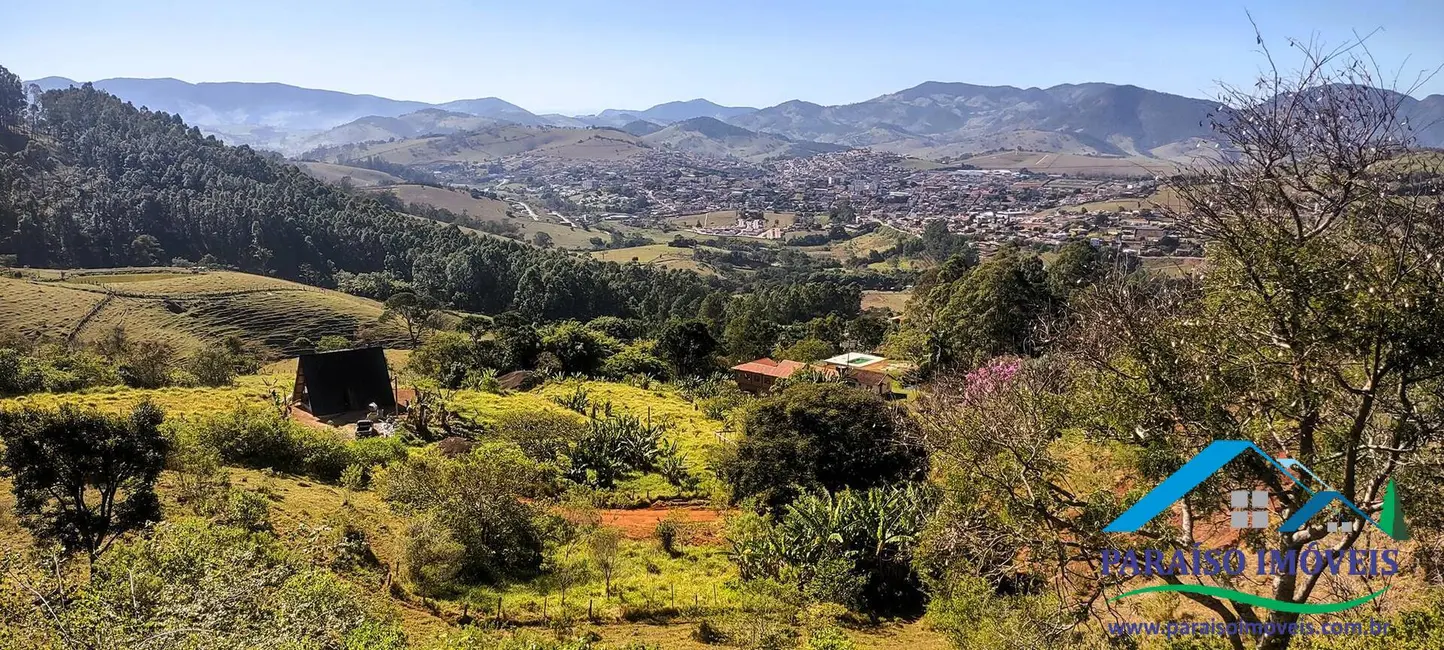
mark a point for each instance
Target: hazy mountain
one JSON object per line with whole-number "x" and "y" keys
{"x": 641, "y": 127}
{"x": 934, "y": 116}
{"x": 279, "y": 116}
{"x": 1426, "y": 118}
{"x": 429, "y": 121}
{"x": 230, "y": 104}
{"x": 931, "y": 119}
{"x": 667, "y": 113}
{"x": 491, "y": 143}
{"x": 708, "y": 136}
{"x": 494, "y": 108}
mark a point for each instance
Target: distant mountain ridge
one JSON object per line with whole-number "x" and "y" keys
{"x": 932, "y": 119}
{"x": 667, "y": 113}
{"x": 708, "y": 136}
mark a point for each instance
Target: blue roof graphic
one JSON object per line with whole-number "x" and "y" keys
{"x": 1222, "y": 452}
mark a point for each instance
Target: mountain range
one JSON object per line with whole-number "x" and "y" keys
{"x": 933, "y": 119}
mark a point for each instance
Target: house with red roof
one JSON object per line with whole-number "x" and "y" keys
{"x": 864, "y": 371}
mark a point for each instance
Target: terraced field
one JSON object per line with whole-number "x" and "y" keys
{"x": 188, "y": 310}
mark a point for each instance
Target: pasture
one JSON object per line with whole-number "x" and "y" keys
{"x": 188, "y": 310}
{"x": 662, "y": 255}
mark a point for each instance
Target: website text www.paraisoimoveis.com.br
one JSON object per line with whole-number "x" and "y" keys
{"x": 1174, "y": 629}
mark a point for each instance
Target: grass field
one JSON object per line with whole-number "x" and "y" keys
{"x": 1068, "y": 163}
{"x": 456, "y": 200}
{"x": 1163, "y": 198}
{"x": 505, "y": 140}
{"x": 728, "y": 219}
{"x": 177, "y": 402}
{"x": 670, "y": 257}
{"x": 880, "y": 240}
{"x": 694, "y": 433}
{"x": 484, "y": 210}
{"x": 360, "y": 176}
{"x": 187, "y": 310}
{"x": 894, "y": 300}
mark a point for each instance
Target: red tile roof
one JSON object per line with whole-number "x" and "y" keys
{"x": 764, "y": 366}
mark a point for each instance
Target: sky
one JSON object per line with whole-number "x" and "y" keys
{"x": 583, "y": 56}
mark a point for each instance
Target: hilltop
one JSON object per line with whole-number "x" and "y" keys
{"x": 493, "y": 143}
{"x": 428, "y": 121}
{"x": 667, "y": 113}
{"x": 188, "y": 309}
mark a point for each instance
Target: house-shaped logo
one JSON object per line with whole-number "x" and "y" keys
{"x": 1250, "y": 507}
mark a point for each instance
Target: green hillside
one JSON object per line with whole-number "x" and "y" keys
{"x": 188, "y": 309}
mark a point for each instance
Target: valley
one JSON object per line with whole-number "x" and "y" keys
{"x": 847, "y": 361}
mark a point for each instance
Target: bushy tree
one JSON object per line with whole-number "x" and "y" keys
{"x": 749, "y": 336}
{"x": 332, "y": 343}
{"x": 688, "y": 347}
{"x": 213, "y": 366}
{"x": 1314, "y": 333}
{"x": 805, "y": 350}
{"x": 194, "y": 584}
{"x": 816, "y": 436}
{"x": 543, "y": 434}
{"x": 148, "y": 363}
{"x": 639, "y": 358}
{"x": 478, "y": 497}
{"x": 83, "y": 478}
{"x": 967, "y": 313}
{"x": 578, "y": 348}
{"x": 417, "y": 312}
{"x": 852, "y": 548}
{"x": 12, "y": 98}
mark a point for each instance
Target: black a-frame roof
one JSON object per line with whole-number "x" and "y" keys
{"x": 344, "y": 380}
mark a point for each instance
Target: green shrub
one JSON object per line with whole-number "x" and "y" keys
{"x": 544, "y": 435}
{"x": 829, "y": 638}
{"x": 212, "y": 366}
{"x": 370, "y": 452}
{"x": 246, "y": 509}
{"x": 354, "y": 478}
{"x": 207, "y": 586}
{"x": 669, "y": 530}
{"x": 639, "y": 358}
{"x": 332, "y": 342}
{"x": 477, "y": 497}
{"x": 19, "y": 373}
{"x": 851, "y": 548}
{"x": 577, "y": 348}
{"x": 148, "y": 364}
{"x": 706, "y": 632}
{"x": 258, "y": 437}
{"x": 433, "y": 558}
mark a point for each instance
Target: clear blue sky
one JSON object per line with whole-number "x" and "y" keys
{"x": 550, "y": 55}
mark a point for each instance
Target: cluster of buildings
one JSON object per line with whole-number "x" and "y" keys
{"x": 992, "y": 206}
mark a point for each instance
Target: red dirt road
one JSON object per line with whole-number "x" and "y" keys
{"x": 641, "y": 523}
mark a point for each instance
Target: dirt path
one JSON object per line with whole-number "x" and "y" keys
{"x": 642, "y": 523}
